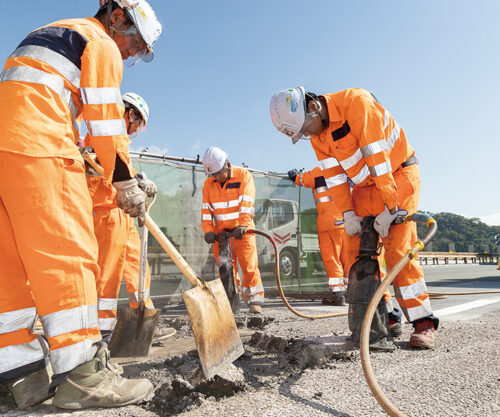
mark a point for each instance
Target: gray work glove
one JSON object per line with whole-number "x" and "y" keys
{"x": 292, "y": 174}
{"x": 384, "y": 220}
{"x": 146, "y": 185}
{"x": 239, "y": 231}
{"x": 210, "y": 237}
{"x": 86, "y": 149}
{"x": 352, "y": 223}
{"x": 131, "y": 199}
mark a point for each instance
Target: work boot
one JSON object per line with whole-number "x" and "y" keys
{"x": 336, "y": 299}
{"x": 255, "y": 309}
{"x": 96, "y": 384}
{"x": 31, "y": 389}
{"x": 423, "y": 335}
{"x": 395, "y": 328}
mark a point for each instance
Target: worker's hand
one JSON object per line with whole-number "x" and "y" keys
{"x": 292, "y": 174}
{"x": 384, "y": 220}
{"x": 352, "y": 223}
{"x": 86, "y": 149}
{"x": 146, "y": 185}
{"x": 239, "y": 231}
{"x": 131, "y": 199}
{"x": 210, "y": 237}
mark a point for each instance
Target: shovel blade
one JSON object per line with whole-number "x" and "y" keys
{"x": 214, "y": 328}
{"x": 126, "y": 342}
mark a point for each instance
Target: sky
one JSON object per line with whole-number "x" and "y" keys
{"x": 435, "y": 65}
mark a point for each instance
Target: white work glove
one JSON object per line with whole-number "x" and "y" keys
{"x": 352, "y": 223}
{"x": 384, "y": 220}
{"x": 146, "y": 185}
{"x": 131, "y": 199}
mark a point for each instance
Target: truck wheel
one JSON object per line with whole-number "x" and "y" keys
{"x": 288, "y": 263}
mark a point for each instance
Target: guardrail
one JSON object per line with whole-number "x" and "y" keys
{"x": 434, "y": 258}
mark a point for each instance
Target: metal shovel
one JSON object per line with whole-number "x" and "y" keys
{"x": 135, "y": 328}
{"x": 212, "y": 320}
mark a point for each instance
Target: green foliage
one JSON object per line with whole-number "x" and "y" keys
{"x": 467, "y": 234}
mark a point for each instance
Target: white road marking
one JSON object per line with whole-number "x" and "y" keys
{"x": 465, "y": 306}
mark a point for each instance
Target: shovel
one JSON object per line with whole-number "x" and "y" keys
{"x": 135, "y": 328}
{"x": 212, "y": 320}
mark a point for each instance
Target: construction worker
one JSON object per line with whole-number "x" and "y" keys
{"x": 357, "y": 139}
{"x": 59, "y": 73}
{"x": 330, "y": 235}
{"x": 117, "y": 237}
{"x": 228, "y": 205}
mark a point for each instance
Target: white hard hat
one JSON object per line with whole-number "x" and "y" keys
{"x": 214, "y": 160}
{"x": 138, "y": 103}
{"x": 288, "y": 112}
{"x": 145, "y": 20}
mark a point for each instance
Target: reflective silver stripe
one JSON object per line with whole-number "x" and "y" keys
{"x": 103, "y": 95}
{"x": 106, "y": 127}
{"x": 328, "y": 163}
{"x": 373, "y": 148}
{"x": 65, "y": 321}
{"x": 35, "y": 76}
{"x": 252, "y": 290}
{"x": 386, "y": 118}
{"x": 207, "y": 206}
{"x": 17, "y": 319}
{"x": 57, "y": 61}
{"x": 256, "y": 298}
{"x": 225, "y": 204}
{"x": 69, "y": 357}
{"x": 15, "y": 356}
{"x": 419, "y": 312}
{"x": 352, "y": 160}
{"x": 413, "y": 291}
{"x": 207, "y": 217}
{"x": 394, "y": 136}
{"x": 107, "y": 304}
{"x": 133, "y": 297}
{"x": 324, "y": 199}
{"x": 245, "y": 197}
{"x": 74, "y": 111}
{"x": 361, "y": 176}
{"x": 320, "y": 190}
{"x": 248, "y": 210}
{"x": 300, "y": 179}
{"x": 107, "y": 324}
{"x": 228, "y": 216}
{"x": 380, "y": 169}
{"x": 337, "y": 288}
{"x": 335, "y": 281}
{"x": 336, "y": 180}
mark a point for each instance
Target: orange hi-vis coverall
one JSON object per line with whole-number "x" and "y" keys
{"x": 363, "y": 143}
{"x": 48, "y": 256}
{"x": 119, "y": 253}
{"x": 229, "y": 206}
{"x": 330, "y": 236}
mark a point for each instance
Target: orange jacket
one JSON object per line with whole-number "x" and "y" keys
{"x": 328, "y": 212}
{"x": 59, "y": 73}
{"x": 362, "y": 143}
{"x": 229, "y": 206}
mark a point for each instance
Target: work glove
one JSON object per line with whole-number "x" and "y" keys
{"x": 384, "y": 220}
{"x": 131, "y": 199}
{"x": 210, "y": 237}
{"x": 146, "y": 185}
{"x": 292, "y": 174}
{"x": 352, "y": 223}
{"x": 86, "y": 149}
{"x": 239, "y": 231}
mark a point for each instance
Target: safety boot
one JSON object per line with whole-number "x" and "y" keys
{"x": 255, "y": 309}
{"x": 336, "y": 299}
{"x": 31, "y": 389}
{"x": 395, "y": 328}
{"x": 423, "y": 336}
{"x": 97, "y": 383}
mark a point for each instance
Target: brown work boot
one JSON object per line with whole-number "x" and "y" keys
{"x": 96, "y": 384}
{"x": 423, "y": 335}
{"x": 30, "y": 389}
{"x": 255, "y": 309}
{"x": 395, "y": 328}
{"x": 336, "y": 299}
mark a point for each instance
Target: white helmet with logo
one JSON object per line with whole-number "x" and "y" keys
{"x": 288, "y": 112}
{"x": 139, "y": 104}
{"x": 145, "y": 21}
{"x": 214, "y": 160}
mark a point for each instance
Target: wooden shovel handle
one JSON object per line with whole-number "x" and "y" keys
{"x": 171, "y": 251}
{"x": 93, "y": 163}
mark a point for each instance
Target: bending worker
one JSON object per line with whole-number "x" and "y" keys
{"x": 48, "y": 251}
{"x": 228, "y": 205}
{"x": 330, "y": 234}
{"x": 355, "y": 138}
{"x": 117, "y": 237}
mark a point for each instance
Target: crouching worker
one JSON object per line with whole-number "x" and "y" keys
{"x": 228, "y": 205}
{"x": 117, "y": 237}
